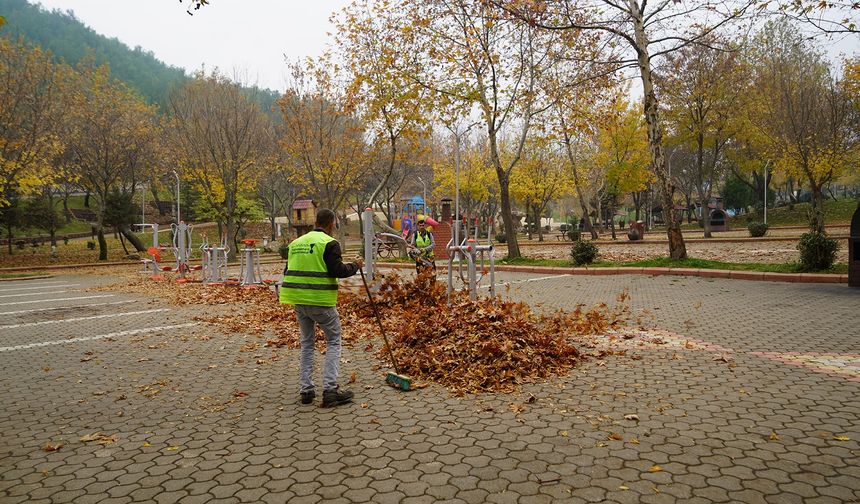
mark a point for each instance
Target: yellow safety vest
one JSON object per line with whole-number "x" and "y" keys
{"x": 306, "y": 280}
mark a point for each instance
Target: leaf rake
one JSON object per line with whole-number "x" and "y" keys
{"x": 394, "y": 379}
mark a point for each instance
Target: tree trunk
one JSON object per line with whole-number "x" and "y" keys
{"x": 677, "y": 249}
{"x": 132, "y": 238}
{"x": 87, "y": 200}
{"x": 507, "y": 217}
{"x": 537, "y": 213}
{"x": 9, "y": 237}
{"x": 706, "y": 214}
{"x": 66, "y": 212}
{"x": 231, "y": 236}
{"x": 612, "y": 218}
{"x": 122, "y": 242}
{"x": 103, "y": 255}
{"x": 816, "y": 213}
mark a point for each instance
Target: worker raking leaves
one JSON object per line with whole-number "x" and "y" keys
{"x": 313, "y": 266}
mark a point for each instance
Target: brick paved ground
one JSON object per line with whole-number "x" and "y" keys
{"x": 752, "y": 396}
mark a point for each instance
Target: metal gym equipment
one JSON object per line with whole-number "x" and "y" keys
{"x": 249, "y": 265}
{"x": 469, "y": 249}
{"x": 182, "y": 247}
{"x": 150, "y": 266}
{"x": 214, "y": 261}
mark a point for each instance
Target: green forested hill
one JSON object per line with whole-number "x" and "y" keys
{"x": 70, "y": 39}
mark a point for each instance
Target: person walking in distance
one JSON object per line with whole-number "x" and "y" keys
{"x": 314, "y": 263}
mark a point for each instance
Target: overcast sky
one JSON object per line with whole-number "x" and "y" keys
{"x": 250, "y": 36}
{"x": 247, "y": 36}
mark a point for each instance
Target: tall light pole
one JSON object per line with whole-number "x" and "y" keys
{"x": 178, "y": 215}
{"x": 424, "y": 197}
{"x": 764, "y": 184}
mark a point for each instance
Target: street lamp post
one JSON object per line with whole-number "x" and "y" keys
{"x": 424, "y": 196}
{"x": 178, "y": 214}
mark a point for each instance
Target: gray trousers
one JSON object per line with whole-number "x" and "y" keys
{"x": 329, "y": 321}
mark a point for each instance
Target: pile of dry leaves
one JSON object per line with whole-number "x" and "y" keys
{"x": 489, "y": 345}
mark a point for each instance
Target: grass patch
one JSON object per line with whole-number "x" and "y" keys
{"x": 835, "y": 212}
{"x": 527, "y": 261}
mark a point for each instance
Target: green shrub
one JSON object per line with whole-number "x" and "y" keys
{"x": 583, "y": 252}
{"x": 757, "y": 229}
{"x": 284, "y": 251}
{"x": 817, "y": 251}
{"x": 574, "y": 235}
{"x": 501, "y": 238}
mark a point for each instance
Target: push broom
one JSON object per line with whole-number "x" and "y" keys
{"x": 394, "y": 379}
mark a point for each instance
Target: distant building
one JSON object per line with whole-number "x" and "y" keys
{"x": 304, "y": 215}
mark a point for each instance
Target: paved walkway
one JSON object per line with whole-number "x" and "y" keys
{"x": 741, "y": 391}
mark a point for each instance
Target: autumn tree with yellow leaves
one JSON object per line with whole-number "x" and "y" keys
{"x": 703, "y": 90}
{"x": 31, "y": 112}
{"x": 539, "y": 179}
{"x": 622, "y": 154}
{"x": 323, "y": 140}
{"x": 221, "y": 141}
{"x": 109, "y": 134}
{"x": 804, "y": 115}
{"x": 382, "y": 58}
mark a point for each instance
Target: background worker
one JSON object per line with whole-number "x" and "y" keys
{"x": 423, "y": 244}
{"x": 313, "y": 266}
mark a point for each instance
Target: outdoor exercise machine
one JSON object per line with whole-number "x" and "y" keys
{"x": 249, "y": 265}
{"x": 182, "y": 247}
{"x": 214, "y": 261}
{"x": 467, "y": 248}
{"x": 150, "y": 266}
{"x": 476, "y": 256}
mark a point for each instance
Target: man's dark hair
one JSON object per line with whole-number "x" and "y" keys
{"x": 324, "y": 218}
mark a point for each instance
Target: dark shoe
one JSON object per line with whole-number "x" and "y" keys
{"x": 308, "y": 397}
{"x": 336, "y": 398}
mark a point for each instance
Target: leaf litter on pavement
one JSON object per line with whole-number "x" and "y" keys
{"x": 488, "y": 345}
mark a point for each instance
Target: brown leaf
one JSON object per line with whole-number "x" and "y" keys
{"x": 100, "y": 438}
{"x": 616, "y": 436}
{"x": 352, "y": 377}
{"x": 51, "y": 447}
{"x": 655, "y": 468}
{"x": 632, "y": 416}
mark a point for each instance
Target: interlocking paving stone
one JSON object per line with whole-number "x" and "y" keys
{"x": 755, "y": 430}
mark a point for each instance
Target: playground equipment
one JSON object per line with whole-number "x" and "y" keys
{"x": 470, "y": 250}
{"x": 249, "y": 265}
{"x": 182, "y": 248}
{"x": 374, "y": 241}
{"x": 214, "y": 261}
{"x": 150, "y": 266}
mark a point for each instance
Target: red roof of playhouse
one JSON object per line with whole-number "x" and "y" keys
{"x": 302, "y": 204}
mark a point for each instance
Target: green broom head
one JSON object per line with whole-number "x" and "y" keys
{"x": 398, "y": 381}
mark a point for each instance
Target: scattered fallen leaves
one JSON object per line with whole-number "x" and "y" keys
{"x": 51, "y": 447}
{"x": 655, "y": 468}
{"x": 774, "y": 436}
{"x": 616, "y": 436}
{"x": 624, "y": 488}
{"x": 239, "y": 393}
{"x": 173, "y": 448}
{"x": 841, "y": 438}
{"x": 632, "y": 416}
{"x": 100, "y": 438}
{"x": 352, "y": 377}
